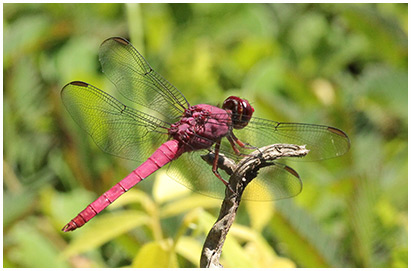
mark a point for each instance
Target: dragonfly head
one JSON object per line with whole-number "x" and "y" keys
{"x": 241, "y": 110}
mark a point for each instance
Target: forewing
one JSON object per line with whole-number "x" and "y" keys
{"x": 323, "y": 142}
{"x": 138, "y": 82}
{"x": 273, "y": 182}
{"x": 114, "y": 127}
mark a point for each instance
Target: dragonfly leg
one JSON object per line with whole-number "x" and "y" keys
{"x": 232, "y": 143}
{"x": 215, "y": 165}
{"x": 233, "y": 140}
{"x": 240, "y": 143}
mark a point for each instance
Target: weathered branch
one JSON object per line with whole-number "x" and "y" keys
{"x": 241, "y": 175}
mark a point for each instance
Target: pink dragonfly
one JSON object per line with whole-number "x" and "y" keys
{"x": 167, "y": 127}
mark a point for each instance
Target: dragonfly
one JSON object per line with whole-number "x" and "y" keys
{"x": 164, "y": 129}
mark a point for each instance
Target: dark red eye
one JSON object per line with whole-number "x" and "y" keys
{"x": 241, "y": 110}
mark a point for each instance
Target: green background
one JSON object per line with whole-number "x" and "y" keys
{"x": 343, "y": 65}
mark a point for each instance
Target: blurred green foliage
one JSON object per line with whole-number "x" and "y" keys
{"x": 343, "y": 65}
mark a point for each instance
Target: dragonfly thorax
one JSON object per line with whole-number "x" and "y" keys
{"x": 201, "y": 126}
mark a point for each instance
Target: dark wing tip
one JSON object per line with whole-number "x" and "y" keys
{"x": 295, "y": 174}
{"x": 342, "y": 134}
{"x": 78, "y": 83}
{"x": 337, "y": 131}
{"x": 117, "y": 39}
{"x": 74, "y": 83}
{"x": 292, "y": 171}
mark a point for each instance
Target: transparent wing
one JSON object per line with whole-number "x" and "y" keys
{"x": 195, "y": 174}
{"x": 138, "y": 82}
{"x": 274, "y": 182}
{"x": 114, "y": 127}
{"x": 323, "y": 142}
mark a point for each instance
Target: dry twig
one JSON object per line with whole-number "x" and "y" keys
{"x": 241, "y": 175}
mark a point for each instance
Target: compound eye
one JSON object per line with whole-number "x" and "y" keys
{"x": 241, "y": 110}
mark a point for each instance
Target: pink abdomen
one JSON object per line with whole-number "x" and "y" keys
{"x": 163, "y": 155}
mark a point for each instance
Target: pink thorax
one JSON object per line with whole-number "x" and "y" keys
{"x": 201, "y": 126}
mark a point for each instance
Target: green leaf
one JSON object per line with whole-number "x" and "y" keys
{"x": 166, "y": 189}
{"x": 103, "y": 229}
{"x": 234, "y": 255}
{"x": 17, "y": 205}
{"x": 186, "y": 204}
{"x": 190, "y": 248}
{"x": 260, "y": 213}
{"x": 303, "y": 238}
{"x": 258, "y": 249}
{"x": 156, "y": 255}
{"x": 30, "y": 248}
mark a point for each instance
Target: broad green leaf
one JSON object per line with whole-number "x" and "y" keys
{"x": 234, "y": 255}
{"x": 400, "y": 258}
{"x": 260, "y": 213}
{"x": 189, "y": 248}
{"x": 133, "y": 196}
{"x": 186, "y": 204}
{"x": 15, "y": 205}
{"x": 265, "y": 257}
{"x": 63, "y": 207}
{"x": 304, "y": 239}
{"x": 103, "y": 229}
{"x": 166, "y": 189}
{"x": 156, "y": 255}
{"x": 257, "y": 247}
{"x": 31, "y": 248}
{"x": 23, "y": 35}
